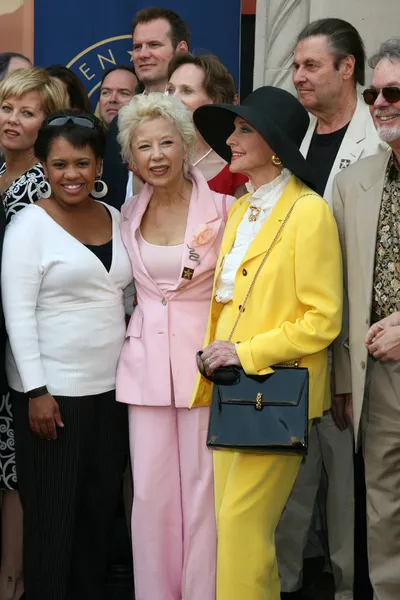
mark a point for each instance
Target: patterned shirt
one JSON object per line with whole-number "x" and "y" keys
{"x": 23, "y": 191}
{"x": 386, "y": 289}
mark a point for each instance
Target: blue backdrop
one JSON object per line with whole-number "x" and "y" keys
{"x": 92, "y": 35}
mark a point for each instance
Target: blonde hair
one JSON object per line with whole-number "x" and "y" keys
{"x": 153, "y": 106}
{"x": 24, "y": 81}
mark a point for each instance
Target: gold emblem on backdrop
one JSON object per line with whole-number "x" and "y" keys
{"x": 91, "y": 62}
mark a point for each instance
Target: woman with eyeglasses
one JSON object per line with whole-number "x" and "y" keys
{"x": 286, "y": 309}
{"x": 27, "y": 97}
{"x": 65, "y": 317}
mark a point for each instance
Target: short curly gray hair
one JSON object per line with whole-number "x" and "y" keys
{"x": 153, "y": 106}
{"x": 389, "y": 49}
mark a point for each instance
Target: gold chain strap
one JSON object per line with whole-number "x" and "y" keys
{"x": 262, "y": 263}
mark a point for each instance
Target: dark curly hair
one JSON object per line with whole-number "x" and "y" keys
{"x": 77, "y": 135}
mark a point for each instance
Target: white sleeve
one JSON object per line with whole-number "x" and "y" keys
{"x": 129, "y": 186}
{"x": 21, "y": 278}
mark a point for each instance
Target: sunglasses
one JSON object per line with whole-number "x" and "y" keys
{"x": 221, "y": 376}
{"x": 60, "y": 121}
{"x": 391, "y": 94}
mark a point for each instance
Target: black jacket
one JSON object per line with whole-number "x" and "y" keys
{"x": 3, "y": 335}
{"x": 115, "y": 171}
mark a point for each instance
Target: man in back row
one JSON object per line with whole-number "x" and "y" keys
{"x": 118, "y": 86}
{"x": 329, "y": 62}
{"x": 157, "y": 34}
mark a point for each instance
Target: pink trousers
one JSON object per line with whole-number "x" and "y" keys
{"x": 173, "y": 518}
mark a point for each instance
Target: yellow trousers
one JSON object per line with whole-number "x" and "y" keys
{"x": 251, "y": 491}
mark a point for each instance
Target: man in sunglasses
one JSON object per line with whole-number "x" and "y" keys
{"x": 366, "y": 201}
{"x": 328, "y": 63}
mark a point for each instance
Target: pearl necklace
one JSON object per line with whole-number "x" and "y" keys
{"x": 202, "y": 158}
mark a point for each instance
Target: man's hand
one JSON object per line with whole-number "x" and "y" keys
{"x": 348, "y": 408}
{"x": 392, "y": 320}
{"x": 338, "y": 412}
{"x": 383, "y": 342}
{"x": 342, "y": 410}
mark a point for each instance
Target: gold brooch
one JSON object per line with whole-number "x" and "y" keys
{"x": 254, "y": 212}
{"x": 187, "y": 273}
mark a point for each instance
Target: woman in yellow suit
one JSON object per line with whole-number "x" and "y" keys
{"x": 293, "y": 312}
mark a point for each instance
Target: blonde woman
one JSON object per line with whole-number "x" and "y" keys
{"x": 172, "y": 231}
{"x": 27, "y": 97}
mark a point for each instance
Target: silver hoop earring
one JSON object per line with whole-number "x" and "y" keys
{"x": 103, "y": 189}
{"x": 45, "y": 189}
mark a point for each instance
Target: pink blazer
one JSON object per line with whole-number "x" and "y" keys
{"x": 157, "y": 365}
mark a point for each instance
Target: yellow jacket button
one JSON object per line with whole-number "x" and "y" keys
{"x": 244, "y": 272}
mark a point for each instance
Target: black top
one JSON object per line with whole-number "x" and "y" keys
{"x": 3, "y": 379}
{"x": 115, "y": 171}
{"x": 322, "y": 154}
{"x": 103, "y": 253}
{"x": 23, "y": 191}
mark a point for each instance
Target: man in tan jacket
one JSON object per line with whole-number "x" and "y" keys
{"x": 366, "y": 202}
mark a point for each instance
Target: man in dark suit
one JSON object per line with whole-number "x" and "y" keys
{"x": 157, "y": 33}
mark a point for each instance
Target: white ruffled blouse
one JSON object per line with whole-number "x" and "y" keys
{"x": 264, "y": 198}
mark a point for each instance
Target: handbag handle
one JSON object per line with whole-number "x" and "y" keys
{"x": 262, "y": 263}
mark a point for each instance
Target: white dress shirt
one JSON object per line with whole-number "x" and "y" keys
{"x": 264, "y": 198}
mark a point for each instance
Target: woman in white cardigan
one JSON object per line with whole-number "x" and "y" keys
{"x": 64, "y": 270}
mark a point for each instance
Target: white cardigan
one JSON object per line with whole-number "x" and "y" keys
{"x": 64, "y": 311}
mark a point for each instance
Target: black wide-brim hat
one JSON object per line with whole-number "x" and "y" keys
{"x": 274, "y": 113}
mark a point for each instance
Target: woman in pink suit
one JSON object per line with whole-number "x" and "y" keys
{"x": 172, "y": 231}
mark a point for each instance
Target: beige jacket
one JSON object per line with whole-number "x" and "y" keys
{"x": 357, "y": 194}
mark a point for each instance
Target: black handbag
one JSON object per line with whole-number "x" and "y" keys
{"x": 266, "y": 413}
{"x": 261, "y": 413}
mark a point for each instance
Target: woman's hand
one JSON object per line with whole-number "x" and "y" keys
{"x": 220, "y": 354}
{"x": 45, "y": 417}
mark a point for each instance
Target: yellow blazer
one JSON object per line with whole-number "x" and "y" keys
{"x": 295, "y": 308}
